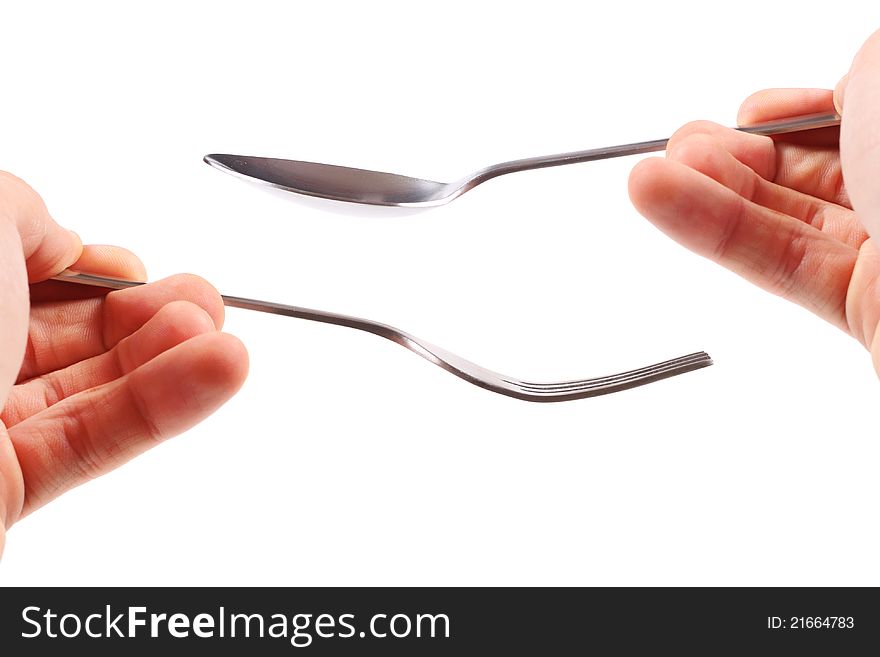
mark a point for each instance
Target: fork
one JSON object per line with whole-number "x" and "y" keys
{"x": 464, "y": 369}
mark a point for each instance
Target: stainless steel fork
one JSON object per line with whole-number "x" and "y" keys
{"x": 465, "y": 369}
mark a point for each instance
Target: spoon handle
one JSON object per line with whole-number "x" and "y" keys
{"x": 778, "y": 127}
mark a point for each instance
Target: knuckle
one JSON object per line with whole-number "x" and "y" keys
{"x": 192, "y": 282}
{"x": 185, "y": 319}
{"x": 696, "y": 150}
{"x": 696, "y": 127}
{"x": 790, "y": 272}
{"x": 192, "y": 279}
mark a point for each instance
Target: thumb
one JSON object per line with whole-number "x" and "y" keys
{"x": 32, "y": 248}
{"x": 47, "y": 247}
{"x": 839, "y": 92}
{"x": 858, "y": 100}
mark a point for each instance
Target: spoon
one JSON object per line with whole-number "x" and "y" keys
{"x": 378, "y": 188}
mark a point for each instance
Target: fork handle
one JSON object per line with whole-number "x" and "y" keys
{"x": 106, "y": 282}
{"x": 111, "y": 283}
{"x": 271, "y": 307}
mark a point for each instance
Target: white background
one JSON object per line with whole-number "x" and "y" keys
{"x": 348, "y": 460}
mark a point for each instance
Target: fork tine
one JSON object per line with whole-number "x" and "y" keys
{"x": 606, "y": 385}
{"x": 561, "y": 386}
{"x": 623, "y": 382}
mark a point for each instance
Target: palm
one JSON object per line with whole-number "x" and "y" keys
{"x": 106, "y": 377}
{"x": 777, "y": 212}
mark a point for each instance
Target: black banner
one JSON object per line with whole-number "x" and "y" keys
{"x": 445, "y": 621}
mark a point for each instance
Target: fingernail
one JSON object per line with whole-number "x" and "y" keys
{"x": 838, "y": 93}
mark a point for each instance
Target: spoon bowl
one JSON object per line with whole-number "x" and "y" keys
{"x": 335, "y": 182}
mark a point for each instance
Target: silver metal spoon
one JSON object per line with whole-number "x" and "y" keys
{"x": 378, "y": 188}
